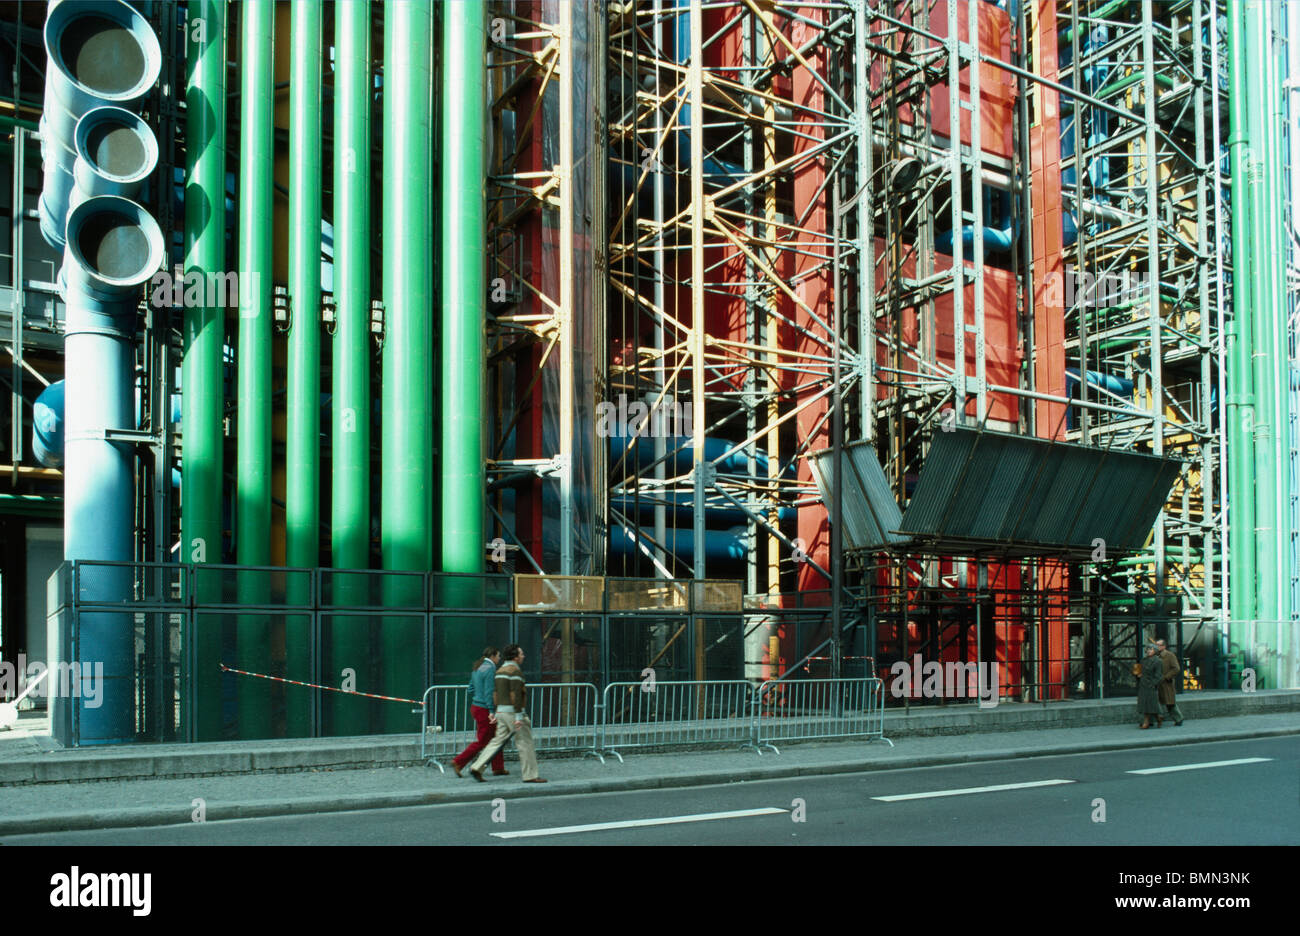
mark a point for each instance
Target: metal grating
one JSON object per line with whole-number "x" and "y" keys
{"x": 1027, "y": 493}
{"x": 871, "y": 515}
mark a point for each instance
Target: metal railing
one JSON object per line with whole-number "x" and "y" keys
{"x": 812, "y": 709}
{"x": 565, "y": 719}
{"x": 578, "y": 718}
{"x": 661, "y": 714}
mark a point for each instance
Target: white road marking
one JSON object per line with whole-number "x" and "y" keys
{"x": 638, "y": 823}
{"x": 1217, "y": 763}
{"x": 979, "y": 789}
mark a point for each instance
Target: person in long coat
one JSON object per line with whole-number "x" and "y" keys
{"x": 1148, "y": 700}
{"x": 1168, "y": 693}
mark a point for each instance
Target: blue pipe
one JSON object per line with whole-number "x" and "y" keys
{"x": 996, "y": 239}
{"x": 681, "y": 462}
{"x": 47, "y": 426}
{"x": 719, "y": 545}
{"x": 113, "y": 247}
{"x": 712, "y": 166}
{"x": 1120, "y": 386}
{"x": 681, "y": 504}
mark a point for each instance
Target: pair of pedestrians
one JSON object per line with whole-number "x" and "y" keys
{"x": 499, "y": 685}
{"x": 1156, "y": 674}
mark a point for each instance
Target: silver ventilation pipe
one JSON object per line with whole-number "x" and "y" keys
{"x": 99, "y": 53}
{"x": 103, "y": 58}
{"x": 113, "y": 247}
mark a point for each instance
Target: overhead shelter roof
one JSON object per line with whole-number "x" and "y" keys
{"x": 991, "y": 491}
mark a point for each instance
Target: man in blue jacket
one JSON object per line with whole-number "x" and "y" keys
{"x": 481, "y": 684}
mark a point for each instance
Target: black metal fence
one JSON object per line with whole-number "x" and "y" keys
{"x": 240, "y": 652}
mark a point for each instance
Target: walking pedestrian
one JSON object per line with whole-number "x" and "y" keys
{"x": 510, "y": 694}
{"x": 1168, "y": 682}
{"x": 1149, "y": 688}
{"x": 480, "y": 708}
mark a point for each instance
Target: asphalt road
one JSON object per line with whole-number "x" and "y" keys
{"x": 1255, "y": 800}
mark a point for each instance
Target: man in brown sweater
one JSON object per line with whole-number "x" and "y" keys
{"x": 510, "y": 697}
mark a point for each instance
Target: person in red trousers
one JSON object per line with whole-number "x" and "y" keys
{"x": 481, "y": 682}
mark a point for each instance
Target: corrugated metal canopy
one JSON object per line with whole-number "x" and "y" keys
{"x": 1022, "y": 494}
{"x": 870, "y": 513}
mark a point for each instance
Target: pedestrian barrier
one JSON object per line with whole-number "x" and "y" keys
{"x": 658, "y": 714}
{"x": 579, "y": 718}
{"x": 811, "y": 709}
{"x": 565, "y": 719}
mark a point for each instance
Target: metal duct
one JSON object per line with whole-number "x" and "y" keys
{"x": 113, "y": 247}
{"x": 47, "y": 426}
{"x": 100, "y": 53}
{"x": 116, "y": 152}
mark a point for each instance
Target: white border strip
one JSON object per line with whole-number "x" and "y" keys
{"x": 979, "y": 789}
{"x": 639, "y": 823}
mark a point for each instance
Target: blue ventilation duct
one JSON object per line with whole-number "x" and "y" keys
{"x": 680, "y": 461}
{"x": 113, "y": 247}
{"x": 47, "y": 426}
{"x": 100, "y": 53}
{"x": 719, "y": 545}
{"x": 681, "y": 504}
{"x": 102, "y": 60}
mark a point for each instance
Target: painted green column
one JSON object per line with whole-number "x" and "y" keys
{"x": 349, "y": 639}
{"x": 463, "y": 300}
{"x": 1241, "y": 401}
{"x": 1275, "y": 193}
{"x": 407, "y": 449}
{"x": 302, "y": 403}
{"x": 1265, "y": 344}
{"x": 253, "y": 418}
{"x": 464, "y": 286}
{"x": 204, "y": 335}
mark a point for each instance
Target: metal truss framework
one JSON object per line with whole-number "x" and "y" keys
{"x": 733, "y": 277}
{"x": 1143, "y": 179}
{"x": 791, "y": 256}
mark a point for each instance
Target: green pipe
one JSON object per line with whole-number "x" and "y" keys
{"x": 32, "y": 505}
{"x": 1275, "y": 117}
{"x": 1265, "y": 344}
{"x": 464, "y": 298}
{"x": 302, "y": 399}
{"x": 464, "y": 286}
{"x": 253, "y": 461}
{"x": 1163, "y": 80}
{"x": 408, "y": 332}
{"x": 350, "y": 430}
{"x": 204, "y": 335}
{"x": 8, "y": 120}
{"x": 1101, "y": 13}
{"x": 1240, "y": 397}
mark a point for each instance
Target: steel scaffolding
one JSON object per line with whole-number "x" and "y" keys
{"x": 1141, "y": 182}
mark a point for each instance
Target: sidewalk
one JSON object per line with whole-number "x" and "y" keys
{"x": 137, "y": 790}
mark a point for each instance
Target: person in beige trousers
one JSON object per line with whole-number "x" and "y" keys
{"x": 510, "y": 697}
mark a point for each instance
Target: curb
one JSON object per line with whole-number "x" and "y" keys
{"x": 75, "y": 766}
{"x": 261, "y": 809}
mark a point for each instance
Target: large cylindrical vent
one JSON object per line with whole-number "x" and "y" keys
{"x": 113, "y": 247}
{"x": 116, "y": 153}
{"x": 99, "y": 53}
